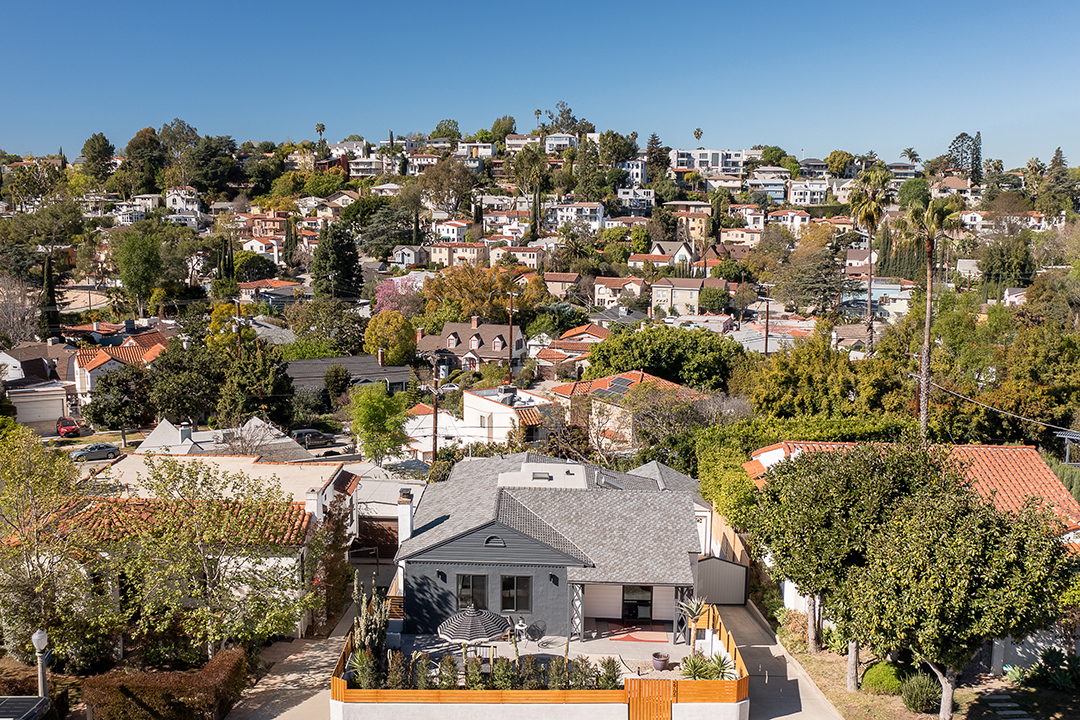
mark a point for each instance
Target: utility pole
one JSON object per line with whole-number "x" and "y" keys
{"x": 510, "y": 343}
{"x": 742, "y": 296}
{"x": 767, "y": 304}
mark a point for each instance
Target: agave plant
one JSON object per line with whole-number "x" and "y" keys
{"x": 723, "y": 667}
{"x": 693, "y": 608}
{"x": 696, "y": 667}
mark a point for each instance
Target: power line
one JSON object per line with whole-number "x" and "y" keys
{"x": 990, "y": 407}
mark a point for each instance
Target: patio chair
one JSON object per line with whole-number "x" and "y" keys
{"x": 536, "y": 632}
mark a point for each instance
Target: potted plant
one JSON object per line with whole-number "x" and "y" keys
{"x": 660, "y": 660}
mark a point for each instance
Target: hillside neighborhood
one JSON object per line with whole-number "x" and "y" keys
{"x": 540, "y": 415}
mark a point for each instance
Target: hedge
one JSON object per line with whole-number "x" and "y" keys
{"x": 169, "y": 695}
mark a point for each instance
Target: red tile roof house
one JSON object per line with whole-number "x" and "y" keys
{"x": 597, "y": 404}
{"x": 1005, "y": 475}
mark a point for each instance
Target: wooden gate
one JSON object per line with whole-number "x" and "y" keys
{"x": 650, "y": 699}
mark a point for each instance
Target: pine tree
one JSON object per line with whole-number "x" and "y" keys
{"x": 334, "y": 269}
{"x": 49, "y": 319}
{"x": 656, "y": 159}
{"x": 975, "y": 160}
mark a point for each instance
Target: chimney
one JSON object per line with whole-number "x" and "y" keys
{"x": 475, "y": 321}
{"x": 419, "y": 334}
{"x": 129, "y": 325}
{"x": 311, "y": 502}
{"x": 381, "y": 356}
{"x": 97, "y": 326}
{"x": 185, "y": 432}
{"x": 404, "y": 515}
{"x": 53, "y": 341}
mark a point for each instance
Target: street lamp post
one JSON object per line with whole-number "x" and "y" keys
{"x": 40, "y": 638}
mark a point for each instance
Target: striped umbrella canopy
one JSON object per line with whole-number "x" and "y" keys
{"x": 473, "y": 626}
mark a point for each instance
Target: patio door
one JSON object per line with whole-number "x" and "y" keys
{"x": 637, "y": 602}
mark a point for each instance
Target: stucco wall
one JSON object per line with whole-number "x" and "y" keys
{"x": 431, "y": 588}
{"x": 711, "y": 711}
{"x": 425, "y": 711}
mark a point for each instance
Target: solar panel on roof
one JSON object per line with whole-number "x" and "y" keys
{"x": 622, "y": 381}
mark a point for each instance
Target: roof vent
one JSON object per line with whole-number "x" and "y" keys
{"x": 541, "y": 476}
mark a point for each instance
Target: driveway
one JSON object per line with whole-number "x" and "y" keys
{"x": 778, "y": 688}
{"x": 298, "y": 685}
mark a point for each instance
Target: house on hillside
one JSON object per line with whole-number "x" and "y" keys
{"x": 608, "y": 290}
{"x": 470, "y": 345}
{"x": 495, "y": 413}
{"x": 546, "y": 541}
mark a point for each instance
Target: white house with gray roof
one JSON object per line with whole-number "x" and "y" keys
{"x": 548, "y": 541}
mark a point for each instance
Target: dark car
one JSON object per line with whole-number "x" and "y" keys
{"x": 312, "y": 438}
{"x": 67, "y": 427}
{"x": 95, "y": 451}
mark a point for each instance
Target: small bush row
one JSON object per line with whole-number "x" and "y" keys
{"x": 169, "y": 695}
{"x": 402, "y": 672}
{"x": 1055, "y": 671}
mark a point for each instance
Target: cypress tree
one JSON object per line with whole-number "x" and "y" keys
{"x": 49, "y": 319}
{"x": 976, "y": 160}
{"x": 288, "y": 246}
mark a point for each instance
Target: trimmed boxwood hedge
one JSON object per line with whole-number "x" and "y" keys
{"x": 169, "y": 695}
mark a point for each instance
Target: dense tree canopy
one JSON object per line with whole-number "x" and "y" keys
{"x": 697, "y": 358}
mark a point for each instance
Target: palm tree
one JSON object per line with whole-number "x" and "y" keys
{"x": 697, "y": 134}
{"x": 536, "y": 112}
{"x": 320, "y": 128}
{"x": 910, "y": 155}
{"x": 925, "y": 225}
{"x": 873, "y": 192}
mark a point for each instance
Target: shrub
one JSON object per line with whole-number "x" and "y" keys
{"x": 164, "y": 696}
{"x": 582, "y": 674}
{"x": 885, "y": 678}
{"x": 502, "y": 674}
{"x": 364, "y": 667}
{"x": 448, "y": 673}
{"x": 834, "y": 641}
{"x": 794, "y": 627}
{"x": 610, "y": 674}
{"x": 421, "y": 664}
{"x": 474, "y": 674}
{"x": 399, "y": 672}
{"x": 921, "y": 693}
{"x": 532, "y": 674}
{"x": 722, "y": 667}
{"x": 556, "y": 671}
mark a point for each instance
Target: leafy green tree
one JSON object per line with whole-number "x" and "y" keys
{"x": 448, "y": 183}
{"x": 838, "y": 162}
{"x": 136, "y": 251}
{"x": 948, "y": 570}
{"x": 506, "y": 125}
{"x": 331, "y": 320}
{"x": 250, "y": 266}
{"x": 819, "y": 513}
{"x": 772, "y": 155}
{"x": 322, "y": 184}
{"x": 378, "y": 421}
{"x": 393, "y": 333}
{"x": 178, "y": 138}
{"x": 212, "y": 164}
{"x": 335, "y": 269}
{"x": 223, "y": 536}
{"x": 361, "y": 211}
{"x": 185, "y": 382}
{"x": 808, "y": 378}
{"x": 913, "y": 191}
{"x": 697, "y": 358}
{"x": 713, "y": 300}
{"x": 145, "y": 157}
{"x": 256, "y": 384}
{"x": 336, "y": 380}
{"x": 447, "y": 129}
{"x": 99, "y": 153}
{"x": 47, "y": 560}
{"x": 873, "y": 193}
{"x": 1008, "y": 262}
{"x": 121, "y": 400}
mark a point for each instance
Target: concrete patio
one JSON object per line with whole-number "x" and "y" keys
{"x": 635, "y": 656}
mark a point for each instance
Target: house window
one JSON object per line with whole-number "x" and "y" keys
{"x": 497, "y": 345}
{"x": 472, "y": 590}
{"x": 474, "y": 342}
{"x": 516, "y": 593}
{"x": 483, "y": 421}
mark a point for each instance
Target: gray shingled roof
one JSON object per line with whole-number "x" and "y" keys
{"x": 635, "y": 535}
{"x": 670, "y": 479}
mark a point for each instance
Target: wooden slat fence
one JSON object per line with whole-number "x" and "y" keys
{"x": 650, "y": 699}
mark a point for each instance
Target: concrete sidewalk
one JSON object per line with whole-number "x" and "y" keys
{"x": 778, "y": 687}
{"x": 298, "y": 685}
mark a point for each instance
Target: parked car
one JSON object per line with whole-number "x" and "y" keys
{"x": 312, "y": 438}
{"x": 67, "y": 427}
{"x": 95, "y": 451}
{"x": 450, "y": 387}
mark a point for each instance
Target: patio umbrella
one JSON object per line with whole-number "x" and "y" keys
{"x": 473, "y": 626}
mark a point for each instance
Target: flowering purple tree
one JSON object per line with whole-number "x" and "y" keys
{"x": 400, "y": 294}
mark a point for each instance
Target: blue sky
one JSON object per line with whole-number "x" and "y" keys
{"x": 817, "y": 76}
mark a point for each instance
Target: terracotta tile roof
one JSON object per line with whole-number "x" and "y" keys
{"x": 146, "y": 339}
{"x": 346, "y": 482}
{"x": 268, "y": 284}
{"x": 420, "y": 409}
{"x": 104, "y": 328}
{"x": 281, "y": 523}
{"x": 587, "y": 329}
{"x": 654, "y": 258}
{"x": 93, "y": 358}
{"x": 635, "y": 378}
{"x": 574, "y": 346}
{"x": 1006, "y": 474}
{"x": 561, "y": 277}
{"x": 552, "y": 356}
{"x": 529, "y": 416}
